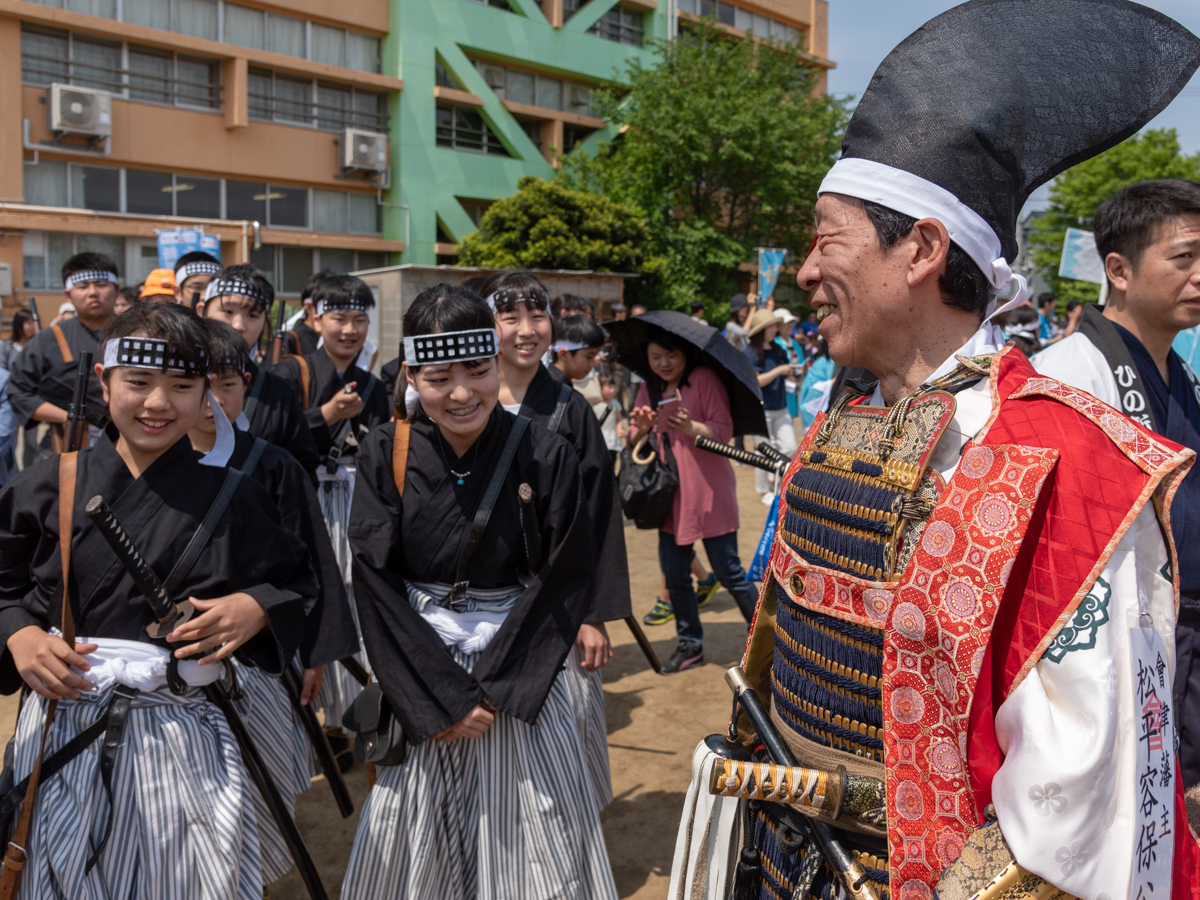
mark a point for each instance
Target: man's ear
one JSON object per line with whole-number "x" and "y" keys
{"x": 316, "y": 326}
{"x": 99, "y": 370}
{"x": 1119, "y": 270}
{"x": 929, "y": 245}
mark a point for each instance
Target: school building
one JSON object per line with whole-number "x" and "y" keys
{"x": 311, "y": 134}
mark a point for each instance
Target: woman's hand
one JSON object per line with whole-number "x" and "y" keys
{"x": 593, "y": 643}
{"x": 765, "y": 378}
{"x": 681, "y": 420}
{"x": 642, "y": 419}
{"x": 225, "y": 623}
{"x": 313, "y": 679}
{"x": 474, "y": 724}
{"x": 45, "y": 663}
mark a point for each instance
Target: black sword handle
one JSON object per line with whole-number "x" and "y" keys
{"x": 770, "y": 452}
{"x": 77, "y": 414}
{"x": 219, "y": 696}
{"x": 320, "y": 742}
{"x": 852, "y": 874}
{"x": 135, "y": 564}
{"x": 33, "y": 312}
{"x": 644, "y": 643}
{"x": 731, "y": 452}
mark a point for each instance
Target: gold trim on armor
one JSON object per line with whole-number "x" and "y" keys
{"x": 861, "y": 569}
{"x": 828, "y": 665}
{"x": 852, "y": 509}
{"x": 840, "y": 461}
{"x": 833, "y": 741}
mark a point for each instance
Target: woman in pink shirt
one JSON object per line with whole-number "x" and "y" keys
{"x": 694, "y": 402}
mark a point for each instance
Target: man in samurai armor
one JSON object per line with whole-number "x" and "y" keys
{"x": 963, "y": 652}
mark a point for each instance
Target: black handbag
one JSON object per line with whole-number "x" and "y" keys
{"x": 647, "y": 483}
{"x": 379, "y": 737}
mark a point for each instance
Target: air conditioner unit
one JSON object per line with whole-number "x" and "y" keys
{"x": 364, "y": 150}
{"x": 79, "y": 110}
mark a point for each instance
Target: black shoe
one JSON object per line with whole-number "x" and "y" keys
{"x": 686, "y": 656}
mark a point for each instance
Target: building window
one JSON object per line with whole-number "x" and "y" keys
{"x": 574, "y": 135}
{"x": 151, "y": 76}
{"x": 475, "y": 209}
{"x": 743, "y": 19}
{"x": 96, "y": 187}
{"x": 498, "y": 4}
{"x": 536, "y": 90}
{"x": 570, "y": 7}
{"x": 315, "y": 104}
{"x": 195, "y": 18}
{"x": 624, "y": 26}
{"x": 464, "y": 129}
{"x": 443, "y": 78}
{"x": 262, "y": 30}
{"x": 44, "y": 252}
{"x": 105, "y": 9}
{"x": 287, "y": 268}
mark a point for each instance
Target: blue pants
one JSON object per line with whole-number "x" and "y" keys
{"x": 676, "y": 564}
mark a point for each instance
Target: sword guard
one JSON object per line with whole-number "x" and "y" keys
{"x": 183, "y": 612}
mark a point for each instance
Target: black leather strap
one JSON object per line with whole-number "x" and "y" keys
{"x": 473, "y": 535}
{"x": 254, "y": 456}
{"x": 204, "y": 533}
{"x": 260, "y": 378}
{"x": 114, "y": 735}
{"x": 334, "y": 459}
{"x": 560, "y": 407}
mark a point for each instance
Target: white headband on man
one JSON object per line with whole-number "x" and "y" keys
{"x": 221, "y": 287}
{"x": 88, "y": 275}
{"x": 567, "y": 346}
{"x": 200, "y": 267}
{"x": 451, "y": 347}
{"x": 152, "y": 354}
{"x": 913, "y": 196}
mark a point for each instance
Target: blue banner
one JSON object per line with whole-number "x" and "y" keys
{"x": 769, "y": 264}
{"x": 1187, "y": 345}
{"x": 758, "y": 567}
{"x": 174, "y": 244}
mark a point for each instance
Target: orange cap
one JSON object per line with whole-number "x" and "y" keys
{"x": 158, "y": 283}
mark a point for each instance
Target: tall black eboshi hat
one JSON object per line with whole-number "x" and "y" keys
{"x": 990, "y": 100}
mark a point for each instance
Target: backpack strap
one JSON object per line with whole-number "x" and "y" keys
{"x": 304, "y": 379}
{"x": 560, "y": 407}
{"x": 15, "y": 856}
{"x": 250, "y": 463}
{"x": 400, "y": 453}
{"x": 63, "y": 347}
{"x": 472, "y": 535}
{"x": 256, "y": 388}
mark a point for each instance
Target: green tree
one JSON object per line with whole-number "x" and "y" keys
{"x": 1077, "y": 192}
{"x": 550, "y": 225}
{"x": 723, "y": 147}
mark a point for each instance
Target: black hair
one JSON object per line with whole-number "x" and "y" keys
{"x": 254, "y": 276}
{"x": 312, "y": 281}
{"x": 673, "y": 343}
{"x": 443, "y": 307}
{"x": 1131, "y": 220}
{"x": 226, "y": 347}
{"x": 1025, "y": 315}
{"x": 1045, "y": 297}
{"x": 475, "y": 284}
{"x": 170, "y": 322}
{"x": 20, "y": 317}
{"x": 510, "y": 288}
{"x": 131, "y": 294}
{"x": 338, "y": 290}
{"x": 574, "y": 304}
{"x": 88, "y": 260}
{"x": 579, "y": 330}
{"x": 1073, "y": 305}
{"x": 195, "y": 256}
{"x": 697, "y": 306}
{"x": 963, "y": 284}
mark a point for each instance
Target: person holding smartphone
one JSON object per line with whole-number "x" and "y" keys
{"x": 693, "y": 402}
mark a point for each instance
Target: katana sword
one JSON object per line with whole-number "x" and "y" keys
{"x": 320, "y": 742}
{"x": 770, "y": 452}
{"x": 77, "y": 426}
{"x": 137, "y": 567}
{"x": 835, "y": 793}
{"x": 170, "y": 615}
{"x": 736, "y": 453}
{"x": 848, "y": 869}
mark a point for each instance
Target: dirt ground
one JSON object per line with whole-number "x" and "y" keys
{"x": 654, "y": 724}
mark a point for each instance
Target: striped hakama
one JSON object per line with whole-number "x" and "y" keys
{"x": 334, "y": 494}
{"x": 286, "y": 751}
{"x": 184, "y": 820}
{"x": 509, "y": 816}
{"x": 587, "y": 695}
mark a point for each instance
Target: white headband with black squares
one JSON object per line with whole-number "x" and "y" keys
{"x": 200, "y": 267}
{"x": 152, "y": 354}
{"x": 349, "y": 303}
{"x": 222, "y": 287}
{"x": 451, "y": 347}
{"x": 88, "y": 275}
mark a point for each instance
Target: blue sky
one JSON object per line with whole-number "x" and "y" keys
{"x": 862, "y": 32}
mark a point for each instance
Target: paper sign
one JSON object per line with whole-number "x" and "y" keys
{"x": 180, "y": 241}
{"x": 1154, "y": 772}
{"x": 1080, "y": 258}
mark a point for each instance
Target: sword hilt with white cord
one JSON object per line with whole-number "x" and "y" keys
{"x": 737, "y": 454}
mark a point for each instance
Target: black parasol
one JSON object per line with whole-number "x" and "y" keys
{"x": 733, "y": 367}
